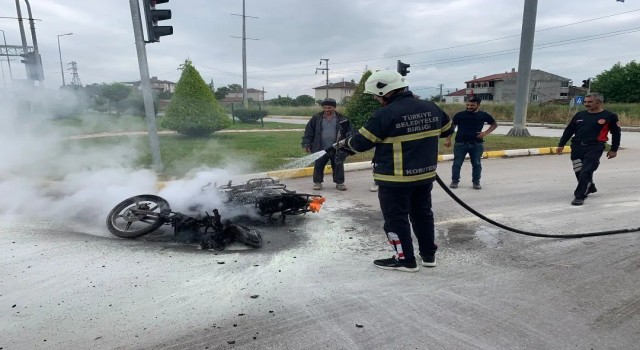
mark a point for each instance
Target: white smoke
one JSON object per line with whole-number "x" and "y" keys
{"x": 45, "y": 175}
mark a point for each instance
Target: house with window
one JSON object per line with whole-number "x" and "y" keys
{"x": 157, "y": 85}
{"x": 458, "y": 96}
{"x": 501, "y": 87}
{"x": 337, "y": 91}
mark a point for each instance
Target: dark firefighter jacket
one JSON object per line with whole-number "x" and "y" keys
{"x": 593, "y": 128}
{"x": 405, "y": 134}
{"x": 312, "y": 137}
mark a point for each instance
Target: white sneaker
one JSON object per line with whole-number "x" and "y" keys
{"x": 428, "y": 261}
{"x": 317, "y": 186}
{"x": 373, "y": 188}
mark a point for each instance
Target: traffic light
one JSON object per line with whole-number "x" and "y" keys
{"x": 402, "y": 68}
{"x": 29, "y": 58}
{"x": 586, "y": 83}
{"x": 154, "y": 31}
{"x": 32, "y": 63}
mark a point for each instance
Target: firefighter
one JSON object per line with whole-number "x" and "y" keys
{"x": 404, "y": 132}
{"x": 589, "y": 130}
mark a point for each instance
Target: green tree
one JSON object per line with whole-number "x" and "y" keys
{"x": 281, "y": 101}
{"x": 235, "y": 87}
{"x": 620, "y": 83}
{"x": 193, "y": 110}
{"x": 304, "y": 100}
{"x": 164, "y": 95}
{"x": 134, "y": 104}
{"x": 222, "y": 91}
{"x": 114, "y": 93}
{"x": 361, "y": 106}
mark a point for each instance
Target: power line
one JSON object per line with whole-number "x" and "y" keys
{"x": 488, "y": 40}
{"x": 538, "y": 46}
{"x": 462, "y": 45}
{"x": 484, "y": 55}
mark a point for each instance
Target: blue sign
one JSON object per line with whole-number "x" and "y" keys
{"x": 579, "y": 100}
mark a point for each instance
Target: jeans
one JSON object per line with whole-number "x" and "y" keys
{"x": 460, "y": 150}
{"x": 402, "y": 206}
{"x": 586, "y": 160}
{"x": 336, "y": 167}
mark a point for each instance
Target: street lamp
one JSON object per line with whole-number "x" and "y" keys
{"x": 4, "y": 82}
{"x": 60, "y": 54}
{"x": 6, "y": 51}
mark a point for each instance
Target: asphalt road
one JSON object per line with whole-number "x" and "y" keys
{"x": 72, "y": 285}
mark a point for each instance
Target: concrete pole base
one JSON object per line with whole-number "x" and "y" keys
{"x": 518, "y": 132}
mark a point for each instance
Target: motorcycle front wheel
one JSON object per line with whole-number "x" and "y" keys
{"x": 137, "y": 216}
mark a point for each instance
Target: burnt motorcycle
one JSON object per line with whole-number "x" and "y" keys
{"x": 142, "y": 214}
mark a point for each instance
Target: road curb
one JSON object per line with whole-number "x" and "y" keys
{"x": 308, "y": 171}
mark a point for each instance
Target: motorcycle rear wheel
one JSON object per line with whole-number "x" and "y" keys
{"x": 138, "y": 216}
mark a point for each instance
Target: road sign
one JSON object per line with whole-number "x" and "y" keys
{"x": 579, "y": 100}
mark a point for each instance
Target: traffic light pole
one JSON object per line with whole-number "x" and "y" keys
{"x": 23, "y": 36}
{"x": 524, "y": 69}
{"x": 34, "y": 40}
{"x": 145, "y": 85}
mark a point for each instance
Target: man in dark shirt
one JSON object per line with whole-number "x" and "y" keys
{"x": 469, "y": 140}
{"x": 589, "y": 130}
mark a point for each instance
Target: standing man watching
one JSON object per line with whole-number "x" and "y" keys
{"x": 322, "y": 131}
{"x": 405, "y": 134}
{"x": 589, "y": 130}
{"x": 470, "y": 140}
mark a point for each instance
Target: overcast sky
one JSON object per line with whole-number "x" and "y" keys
{"x": 446, "y": 42}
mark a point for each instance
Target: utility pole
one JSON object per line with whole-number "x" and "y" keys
{"x": 524, "y": 69}
{"x": 75, "y": 78}
{"x": 4, "y": 82}
{"x": 6, "y": 51}
{"x": 23, "y": 37}
{"x": 440, "y": 86}
{"x": 325, "y": 71}
{"x": 145, "y": 85}
{"x": 60, "y": 55}
{"x": 245, "y": 99}
{"x": 34, "y": 41}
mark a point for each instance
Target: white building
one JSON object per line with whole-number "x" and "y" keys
{"x": 458, "y": 96}
{"x": 337, "y": 91}
{"x": 157, "y": 85}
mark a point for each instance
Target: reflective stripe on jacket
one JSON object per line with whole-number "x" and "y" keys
{"x": 405, "y": 134}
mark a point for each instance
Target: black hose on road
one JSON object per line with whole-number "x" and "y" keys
{"x": 526, "y": 233}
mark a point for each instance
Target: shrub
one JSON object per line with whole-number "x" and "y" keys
{"x": 193, "y": 110}
{"x": 360, "y": 106}
{"x": 249, "y": 116}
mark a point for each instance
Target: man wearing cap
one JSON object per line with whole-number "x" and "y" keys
{"x": 322, "y": 131}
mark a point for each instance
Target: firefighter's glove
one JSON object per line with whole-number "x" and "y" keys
{"x": 343, "y": 148}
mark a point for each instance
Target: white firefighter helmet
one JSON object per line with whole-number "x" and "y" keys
{"x": 381, "y": 82}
